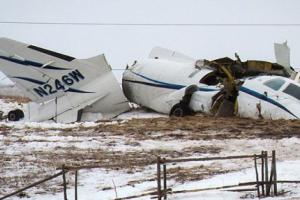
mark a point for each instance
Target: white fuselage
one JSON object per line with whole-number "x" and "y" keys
{"x": 172, "y": 83}
{"x": 269, "y": 97}
{"x": 160, "y": 84}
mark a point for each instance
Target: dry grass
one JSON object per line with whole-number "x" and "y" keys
{"x": 200, "y": 127}
{"x": 18, "y": 99}
{"x": 184, "y": 174}
{"x": 37, "y": 164}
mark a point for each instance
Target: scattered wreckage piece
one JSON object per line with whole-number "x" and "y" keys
{"x": 61, "y": 87}
{"x": 174, "y": 84}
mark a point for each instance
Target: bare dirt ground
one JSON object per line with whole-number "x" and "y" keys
{"x": 44, "y": 150}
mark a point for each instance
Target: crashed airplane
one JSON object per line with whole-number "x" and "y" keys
{"x": 61, "y": 87}
{"x": 172, "y": 83}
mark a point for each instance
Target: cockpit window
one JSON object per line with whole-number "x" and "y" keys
{"x": 209, "y": 79}
{"x": 293, "y": 90}
{"x": 275, "y": 84}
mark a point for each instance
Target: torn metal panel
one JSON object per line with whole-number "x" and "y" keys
{"x": 245, "y": 69}
{"x": 282, "y": 54}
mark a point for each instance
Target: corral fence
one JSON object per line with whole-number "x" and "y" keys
{"x": 265, "y": 177}
{"x": 263, "y": 183}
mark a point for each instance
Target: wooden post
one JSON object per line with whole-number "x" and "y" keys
{"x": 275, "y": 172}
{"x": 262, "y": 173}
{"x": 271, "y": 178}
{"x": 158, "y": 179}
{"x": 257, "y": 178}
{"x": 76, "y": 173}
{"x": 165, "y": 178}
{"x": 267, "y": 174}
{"x": 64, "y": 182}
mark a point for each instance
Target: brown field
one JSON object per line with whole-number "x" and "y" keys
{"x": 37, "y": 163}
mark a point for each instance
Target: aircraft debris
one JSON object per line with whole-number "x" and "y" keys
{"x": 61, "y": 87}
{"x": 175, "y": 84}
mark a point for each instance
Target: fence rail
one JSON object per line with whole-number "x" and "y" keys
{"x": 32, "y": 185}
{"x": 263, "y": 183}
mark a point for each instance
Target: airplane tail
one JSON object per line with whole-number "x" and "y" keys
{"x": 45, "y": 75}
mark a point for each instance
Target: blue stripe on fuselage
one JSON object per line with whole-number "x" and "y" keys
{"x": 265, "y": 98}
{"x": 167, "y": 85}
{"x": 161, "y": 84}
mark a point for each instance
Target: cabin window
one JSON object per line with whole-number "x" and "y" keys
{"x": 293, "y": 90}
{"x": 275, "y": 84}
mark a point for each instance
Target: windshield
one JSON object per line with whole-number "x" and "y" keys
{"x": 275, "y": 84}
{"x": 293, "y": 90}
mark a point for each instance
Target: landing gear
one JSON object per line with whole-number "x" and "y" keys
{"x": 180, "y": 110}
{"x": 20, "y": 113}
{"x": 15, "y": 115}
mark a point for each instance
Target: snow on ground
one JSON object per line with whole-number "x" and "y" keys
{"x": 31, "y": 151}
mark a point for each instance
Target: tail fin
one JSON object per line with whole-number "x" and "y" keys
{"x": 282, "y": 53}
{"x": 42, "y": 74}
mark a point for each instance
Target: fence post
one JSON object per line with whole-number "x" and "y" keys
{"x": 64, "y": 182}
{"x": 267, "y": 174}
{"x": 271, "y": 180}
{"x": 257, "y": 178}
{"x": 76, "y": 184}
{"x": 158, "y": 179}
{"x": 262, "y": 173}
{"x": 165, "y": 177}
{"x": 275, "y": 172}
